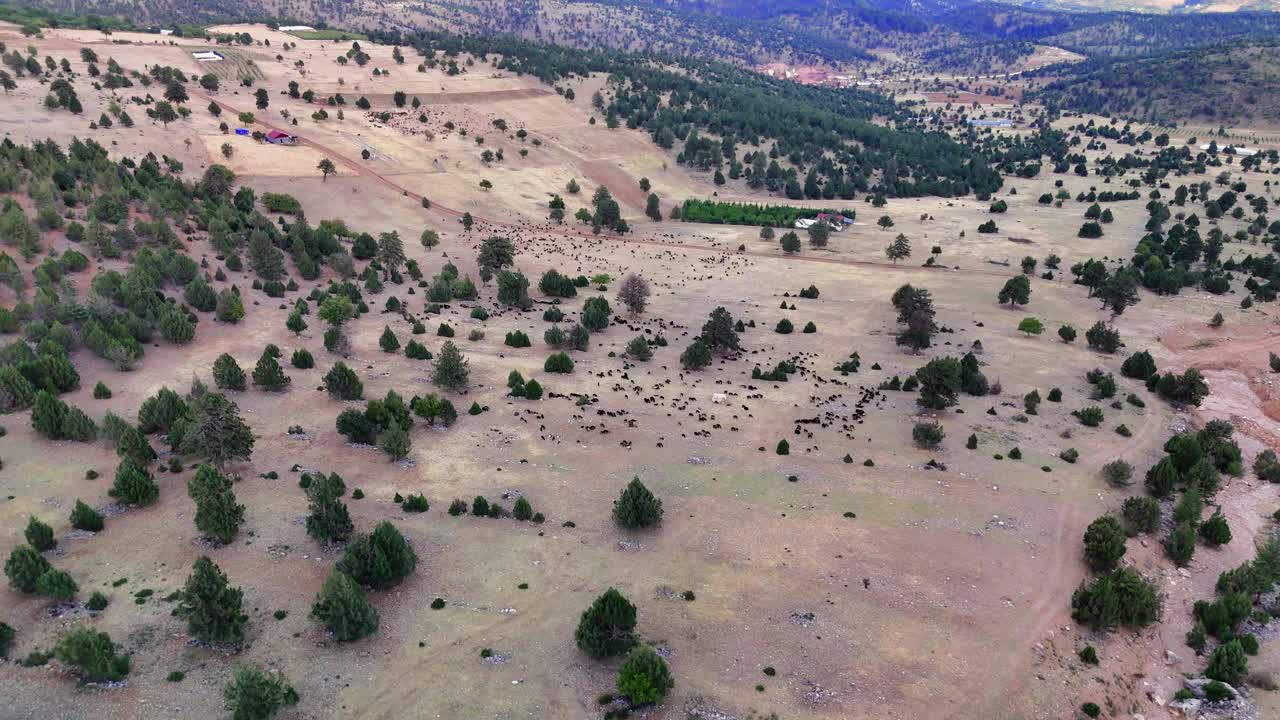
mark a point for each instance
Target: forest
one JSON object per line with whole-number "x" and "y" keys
{"x": 1227, "y": 83}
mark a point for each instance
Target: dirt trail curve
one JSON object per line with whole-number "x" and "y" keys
{"x": 365, "y": 171}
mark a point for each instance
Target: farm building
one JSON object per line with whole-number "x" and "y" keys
{"x": 837, "y": 222}
{"x": 207, "y": 56}
{"x": 296, "y": 28}
{"x": 276, "y": 137}
{"x": 996, "y": 122}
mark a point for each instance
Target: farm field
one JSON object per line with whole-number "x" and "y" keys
{"x": 854, "y": 572}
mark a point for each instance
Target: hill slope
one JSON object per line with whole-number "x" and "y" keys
{"x": 1226, "y": 83}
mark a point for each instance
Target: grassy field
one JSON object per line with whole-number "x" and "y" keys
{"x": 328, "y": 35}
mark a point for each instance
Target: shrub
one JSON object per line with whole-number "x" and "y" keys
{"x": 86, "y": 518}
{"x": 637, "y": 507}
{"x": 1091, "y": 709}
{"x": 1070, "y": 455}
{"x": 1266, "y": 466}
{"x": 1090, "y": 416}
{"x": 1228, "y": 663}
{"x": 1123, "y": 597}
{"x": 1118, "y": 473}
{"x": 784, "y": 327}
{"x": 101, "y": 392}
{"x": 415, "y": 504}
{"x": 1103, "y": 338}
{"x": 558, "y": 363}
{"x": 1088, "y": 655}
{"x": 458, "y": 507}
{"x": 56, "y": 584}
{"x": 380, "y": 560}
{"x": 1181, "y": 545}
{"x": 227, "y": 374}
{"x": 24, "y": 568}
{"x": 522, "y": 510}
{"x": 1104, "y": 543}
{"x": 480, "y": 506}
{"x": 134, "y": 485}
{"x": 1067, "y": 333}
{"x": 39, "y": 535}
{"x": 1141, "y": 514}
{"x": 342, "y": 383}
{"x": 254, "y": 694}
{"x": 93, "y": 654}
{"x": 927, "y": 434}
{"x": 697, "y": 356}
{"x": 97, "y": 602}
{"x": 1139, "y": 366}
{"x": 343, "y": 607}
{"x": 1215, "y": 531}
{"x": 607, "y": 627}
{"x": 644, "y": 677}
{"x": 302, "y": 359}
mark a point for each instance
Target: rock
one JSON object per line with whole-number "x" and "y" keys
{"x": 1188, "y": 708}
{"x": 1170, "y": 658}
{"x": 1196, "y": 686}
{"x": 1138, "y": 716}
{"x": 1184, "y": 572}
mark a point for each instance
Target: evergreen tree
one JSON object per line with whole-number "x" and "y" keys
{"x": 216, "y": 431}
{"x": 718, "y": 331}
{"x": 211, "y": 606}
{"x": 217, "y": 514}
{"x": 268, "y": 375}
{"x": 134, "y": 485}
{"x": 295, "y": 323}
{"x": 227, "y": 374}
{"x": 84, "y": 517}
{"x": 24, "y": 567}
{"x": 899, "y": 249}
{"x": 391, "y": 250}
{"x": 644, "y": 677}
{"x": 451, "y": 371}
{"x": 39, "y": 535}
{"x": 379, "y": 560}
{"x": 637, "y": 507}
{"x": 253, "y": 694}
{"x": 1104, "y": 543}
{"x": 343, "y": 607}
{"x": 388, "y": 342}
{"x": 342, "y": 383}
{"x": 133, "y": 446}
{"x": 47, "y": 415}
{"x": 940, "y": 381}
{"x": 607, "y": 628}
{"x": 394, "y": 441}
{"x": 328, "y": 519}
{"x": 93, "y": 654}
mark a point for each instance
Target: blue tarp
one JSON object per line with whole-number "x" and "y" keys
{"x": 242, "y": 131}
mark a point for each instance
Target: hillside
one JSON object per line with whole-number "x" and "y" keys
{"x": 1231, "y": 83}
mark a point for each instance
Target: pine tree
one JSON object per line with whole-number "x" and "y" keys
{"x": 637, "y": 507}
{"x": 899, "y": 249}
{"x": 264, "y": 257}
{"x": 328, "y": 519}
{"x": 211, "y": 606}
{"x": 268, "y": 375}
{"x": 216, "y": 431}
{"x": 718, "y": 332}
{"x": 133, "y": 446}
{"x": 451, "y": 371}
{"x": 134, "y": 485}
{"x": 93, "y": 654}
{"x": 47, "y": 415}
{"x": 644, "y": 677}
{"x": 394, "y": 441}
{"x": 379, "y": 560}
{"x": 217, "y": 514}
{"x": 388, "y": 342}
{"x": 253, "y": 694}
{"x": 227, "y": 374}
{"x": 295, "y": 323}
{"x": 343, "y": 607}
{"x": 39, "y": 535}
{"x": 342, "y": 383}
{"x": 391, "y": 250}
{"x": 607, "y": 628}
{"x": 84, "y": 517}
{"x": 24, "y": 567}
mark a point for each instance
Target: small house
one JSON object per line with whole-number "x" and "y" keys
{"x": 206, "y": 56}
{"x": 277, "y": 137}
